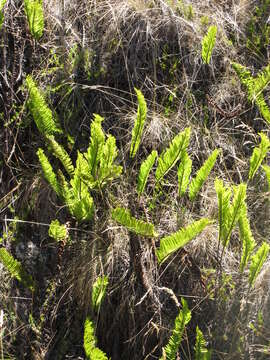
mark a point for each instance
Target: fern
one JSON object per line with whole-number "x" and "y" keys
{"x": 257, "y": 262}
{"x": 41, "y": 113}
{"x": 248, "y": 242}
{"x": 139, "y": 123}
{"x": 224, "y": 195}
{"x": 170, "y": 244}
{"x": 208, "y": 43}
{"x": 15, "y": 269}
{"x": 90, "y": 341}
{"x": 2, "y": 4}
{"x": 62, "y": 155}
{"x": 98, "y": 291}
{"x": 266, "y": 169}
{"x": 184, "y": 317}
{"x": 48, "y": 172}
{"x": 201, "y": 352}
{"x": 123, "y": 217}
{"x": 35, "y": 17}
{"x": 174, "y": 152}
{"x": 184, "y": 171}
{"x": 57, "y": 231}
{"x": 202, "y": 174}
{"x": 144, "y": 171}
{"x": 258, "y": 155}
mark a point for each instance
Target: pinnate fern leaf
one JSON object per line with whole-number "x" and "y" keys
{"x": 61, "y": 154}
{"x": 202, "y": 174}
{"x": 35, "y": 17}
{"x": 48, "y": 172}
{"x": 184, "y": 317}
{"x": 184, "y": 171}
{"x": 42, "y": 115}
{"x": 208, "y": 43}
{"x": 15, "y": 269}
{"x": 123, "y": 217}
{"x": 90, "y": 341}
{"x": 248, "y": 242}
{"x": 258, "y": 155}
{"x": 144, "y": 171}
{"x": 170, "y": 244}
{"x": 172, "y": 154}
{"x": 224, "y": 194}
{"x": 201, "y": 351}
{"x": 107, "y": 169}
{"x": 139, "y": 123}
{"x": 98, "y": 291}
{"x": 257, "y": 262}
{"x": 266, "y": 169}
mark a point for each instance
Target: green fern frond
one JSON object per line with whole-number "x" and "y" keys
{"x": 257, "y": 262}
{"x": 35, "y": 17}
{"x": 245, "y": 78}
{"x": 139, "y": 123}
{"x": 170, "y": 244}
{"x": 83, "y": 172}
{"x": 144, "y": 171}
{"x": 57, "y": 231}
{"x": 42, "y": 115}
{"x": 224, "y": 194}
{"x": 208, "y": 43}
{"x": 15, "y": 269}
{"x": 2, "y": 4}
{"x": 107, "y": 170}
{"x": 172, "y": 154}
{"x": 98, "y": 291}
{"x": 266, "y": 169}
{"x": 184, "y": 171}
{"x": 258, "y": 155}
{"x": 201, "y": 351}
{"x": 123, "y": 217}
{"x": 202, "y": 174}
{"x": 248, "y": 242}
{"x": 90, "y": 341}
{"x": 184, "y": 317}
{"x": 262, "y": 80}
{"x": 236, "y": 210}
{"x": 48, "y": 172}
{"x": 61, "y": 154}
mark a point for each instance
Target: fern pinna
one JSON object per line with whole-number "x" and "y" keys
{"x": 139, "y": 123}
{"x": 35, "y": 17}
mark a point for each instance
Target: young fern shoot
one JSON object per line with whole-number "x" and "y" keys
{"x": 208, "y": 43}
{"x": 98, "y": 292}
{"x": 144, "y": 171}
{"x": 257, "y": 262}
{"x": 139, "y": 123}
{"x": 57, "y": 231}
{"x": 201, "y": 351}
{"x": 258, "y": 155}
{"x": 248, "y": 242}
{"x": 35, "y": 17}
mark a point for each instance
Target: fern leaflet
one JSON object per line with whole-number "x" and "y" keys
{"x": 123, "y": 217}
{"x": 224, "y": 195}
{"x": 208, "y": 43}
{"x": 35, "y": 17}
{"x": 139, "y": 123}
{"x": 89, "y": 342}
{"x": 15, "y": 269}
{"x": 258, "y": 155}
{"x": 42, "y": 115}
{"x": 201, "y": 351}
{"x": 61, "y": 154}
{"x": 257, "y": 262}
{"x": 184, "y": 317}
{"x": 184, "y": 171}
{"x": 170, "y": 244}
{"x": 174, "y": 152}
{"x": 145, "y": 169}
{"x": 98, "y": 291}
{"x": 266, "y": 169}
{"x": 48, "y": 172}
{"x": 202, "y": 174}
{"x": 107, "y": 170}
{"x": 248, "y": 242}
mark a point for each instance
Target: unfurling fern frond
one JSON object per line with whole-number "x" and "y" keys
{"x": 266, "y": 169}
{"x": 90, "y": 341}
{"x": 184, "y": 317}
{"x": 61, "y": 154}
{"x": 257, "y": 262}
{"x": 15, "y": 269}
{"x": 2, "y": 4}
{"x": 170, "y": 244}
{"x": 48, "y": 172}
{"x": 184, "y": 171}
{"x": 139, "y": 123}
{"x": 248, "y": 242}
{"x": 236, "y": 210}
{"x": 172, "y": 154}
{"x": 42, "y": 115}
{"x": 57, "y": 231}
{"x": 258, "y": 155}
{"x": 123, "y": 217}
{"x": 107, "y": 169}
{"x": 201, "y": 351}
{"x": 224, "y": 194}
{"x": 208, "y": 43}
{"x": 98, "y": 291}
{"x": 145, "y": 169}
{"x": 35, "y": 17}
{"x": 202, "y": 174}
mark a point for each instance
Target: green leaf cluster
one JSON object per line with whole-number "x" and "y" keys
{"x": 92, "y": 352}
{"x": 208, "y": 43}
{"x": 35, "y": 17}
{"x": 57, "y": 231}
